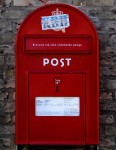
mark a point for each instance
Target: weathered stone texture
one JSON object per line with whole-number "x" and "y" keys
{"x": 107, "y": 118}
{"x": 1, "y": 60}
{"x": 110, "y": 130}
{"x": 7, "y": 129}
{"x": 20, "y": 3}
{"x": 7, "y": 38}
{"x": 104, "y": 71}
{"x": 6, "y": 3}
{"x": 106, "y": 95}
{"x": 5, "y": 141}
{"x": 111, "y": 84}
{"x": 10, "y": 60}
{"x": 7, "y": 49}
{"x": 107, "y": 2}
{"x": 5, "y": 26}
{"x": 108, "y": 142}
{"x": 10, "y": 83}
{"x": 5, "y": 119}
{"x": 110, "y": 106}
{"x": 14, "y": 14}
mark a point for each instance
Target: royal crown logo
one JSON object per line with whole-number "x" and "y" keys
{"x": 57, "y": 21}
{"x": 57, "y": 12}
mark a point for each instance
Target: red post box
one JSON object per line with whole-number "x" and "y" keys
{"x": 57, "y": 78}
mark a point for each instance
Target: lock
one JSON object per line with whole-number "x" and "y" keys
{"x": 57, "y": 81}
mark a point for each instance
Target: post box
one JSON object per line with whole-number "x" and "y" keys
{"x": 57, "y": 78}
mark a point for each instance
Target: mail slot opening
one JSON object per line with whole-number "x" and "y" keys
{"x": 63, "y": 44}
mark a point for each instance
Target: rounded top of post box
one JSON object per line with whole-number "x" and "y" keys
{"x": 77, "y": 20}
{"x": 58, "y": 20}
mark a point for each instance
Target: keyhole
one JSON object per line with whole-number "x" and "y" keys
{"x": 57, "y": 88}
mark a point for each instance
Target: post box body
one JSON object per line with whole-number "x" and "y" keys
{"x": 57, "y": 78}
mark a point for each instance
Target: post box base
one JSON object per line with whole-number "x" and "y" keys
{"x": 31, "y": 147}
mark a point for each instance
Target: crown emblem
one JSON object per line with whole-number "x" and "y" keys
{"x": 57, "y": 12}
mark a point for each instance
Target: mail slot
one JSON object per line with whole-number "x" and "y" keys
{"x": 57, "y": 78}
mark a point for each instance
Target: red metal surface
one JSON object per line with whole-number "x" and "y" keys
{"x": 80, "y": 78}
{"x": 56, "y": 130}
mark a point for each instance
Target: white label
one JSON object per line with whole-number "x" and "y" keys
{"x": 55, "y": 22}
{"x": 57, "y": 106}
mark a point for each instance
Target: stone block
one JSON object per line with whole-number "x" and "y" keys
{"x": 9, "y": 73}
{"x": 106, "y": 95}
{"x": 7, "y": 38}
{"x": 108, "y": 71}
{"x": 108, "y": 106}
{"x": 16, "y": 25}
{"x": 15, "y": 14}
{"x": 104, "y": 71}
{"x": 93, "y": 3}
{"x": 111, "y": 84}
{"x": 1, "y": 83}
{"x": 109, "y": 26}
{"x": 13, "y": 119}
{"x": 105, "y": 148}
{"x": 104, "y": 37}
{"x": 20, "y": 2}
{"x": 94, "y": 12}
{"x": 1, "y": 3}
{"x": 7, "y": 49}
{"x": 8, "y": 107}
{"x": 107, "y": 2}
{"x": 107, "y": 49}
{"x": 110, "y": 131}
{"x": 5, "y": 142}
{"x": 10, "y": 83}
{"x": 5, "y": 26}
{"x": 67, "y": 1}
{"x": 5, "y": 3}
{"x": 97, "y": 23}
{"x": 14, "y": 96}
{"x": 107, "y": 13}
{"x": 5, "y": 119}
{"x": 106, "y": 61}
{"x": 37, "y": 3}
{"x": 3, "y": 96}
{"x": 10, "y": 95}
{"x": 11, "y": 60}
{"x": 1, "y": 60}
{"x": 7, "y": 129}
{"x": 109, "y": 119}
{"x": 4, "y": 129}
{"x": 107, "y": 142}
{"x": 2, "y": 13}
{"x": 113, "y": 38}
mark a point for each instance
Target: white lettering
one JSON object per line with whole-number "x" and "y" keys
{"x": 57, "y": 62}
{"x": 68, "y": 61}
{"x": 45, "y": 61}
{"x": 54, "y": 62}
{"x": 62, "y": 62}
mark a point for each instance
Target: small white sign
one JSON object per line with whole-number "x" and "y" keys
{"x": 57, "y": 106}
{"x": 55, "y": 22}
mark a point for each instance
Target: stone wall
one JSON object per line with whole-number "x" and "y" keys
{"x": 103, "y": 15}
